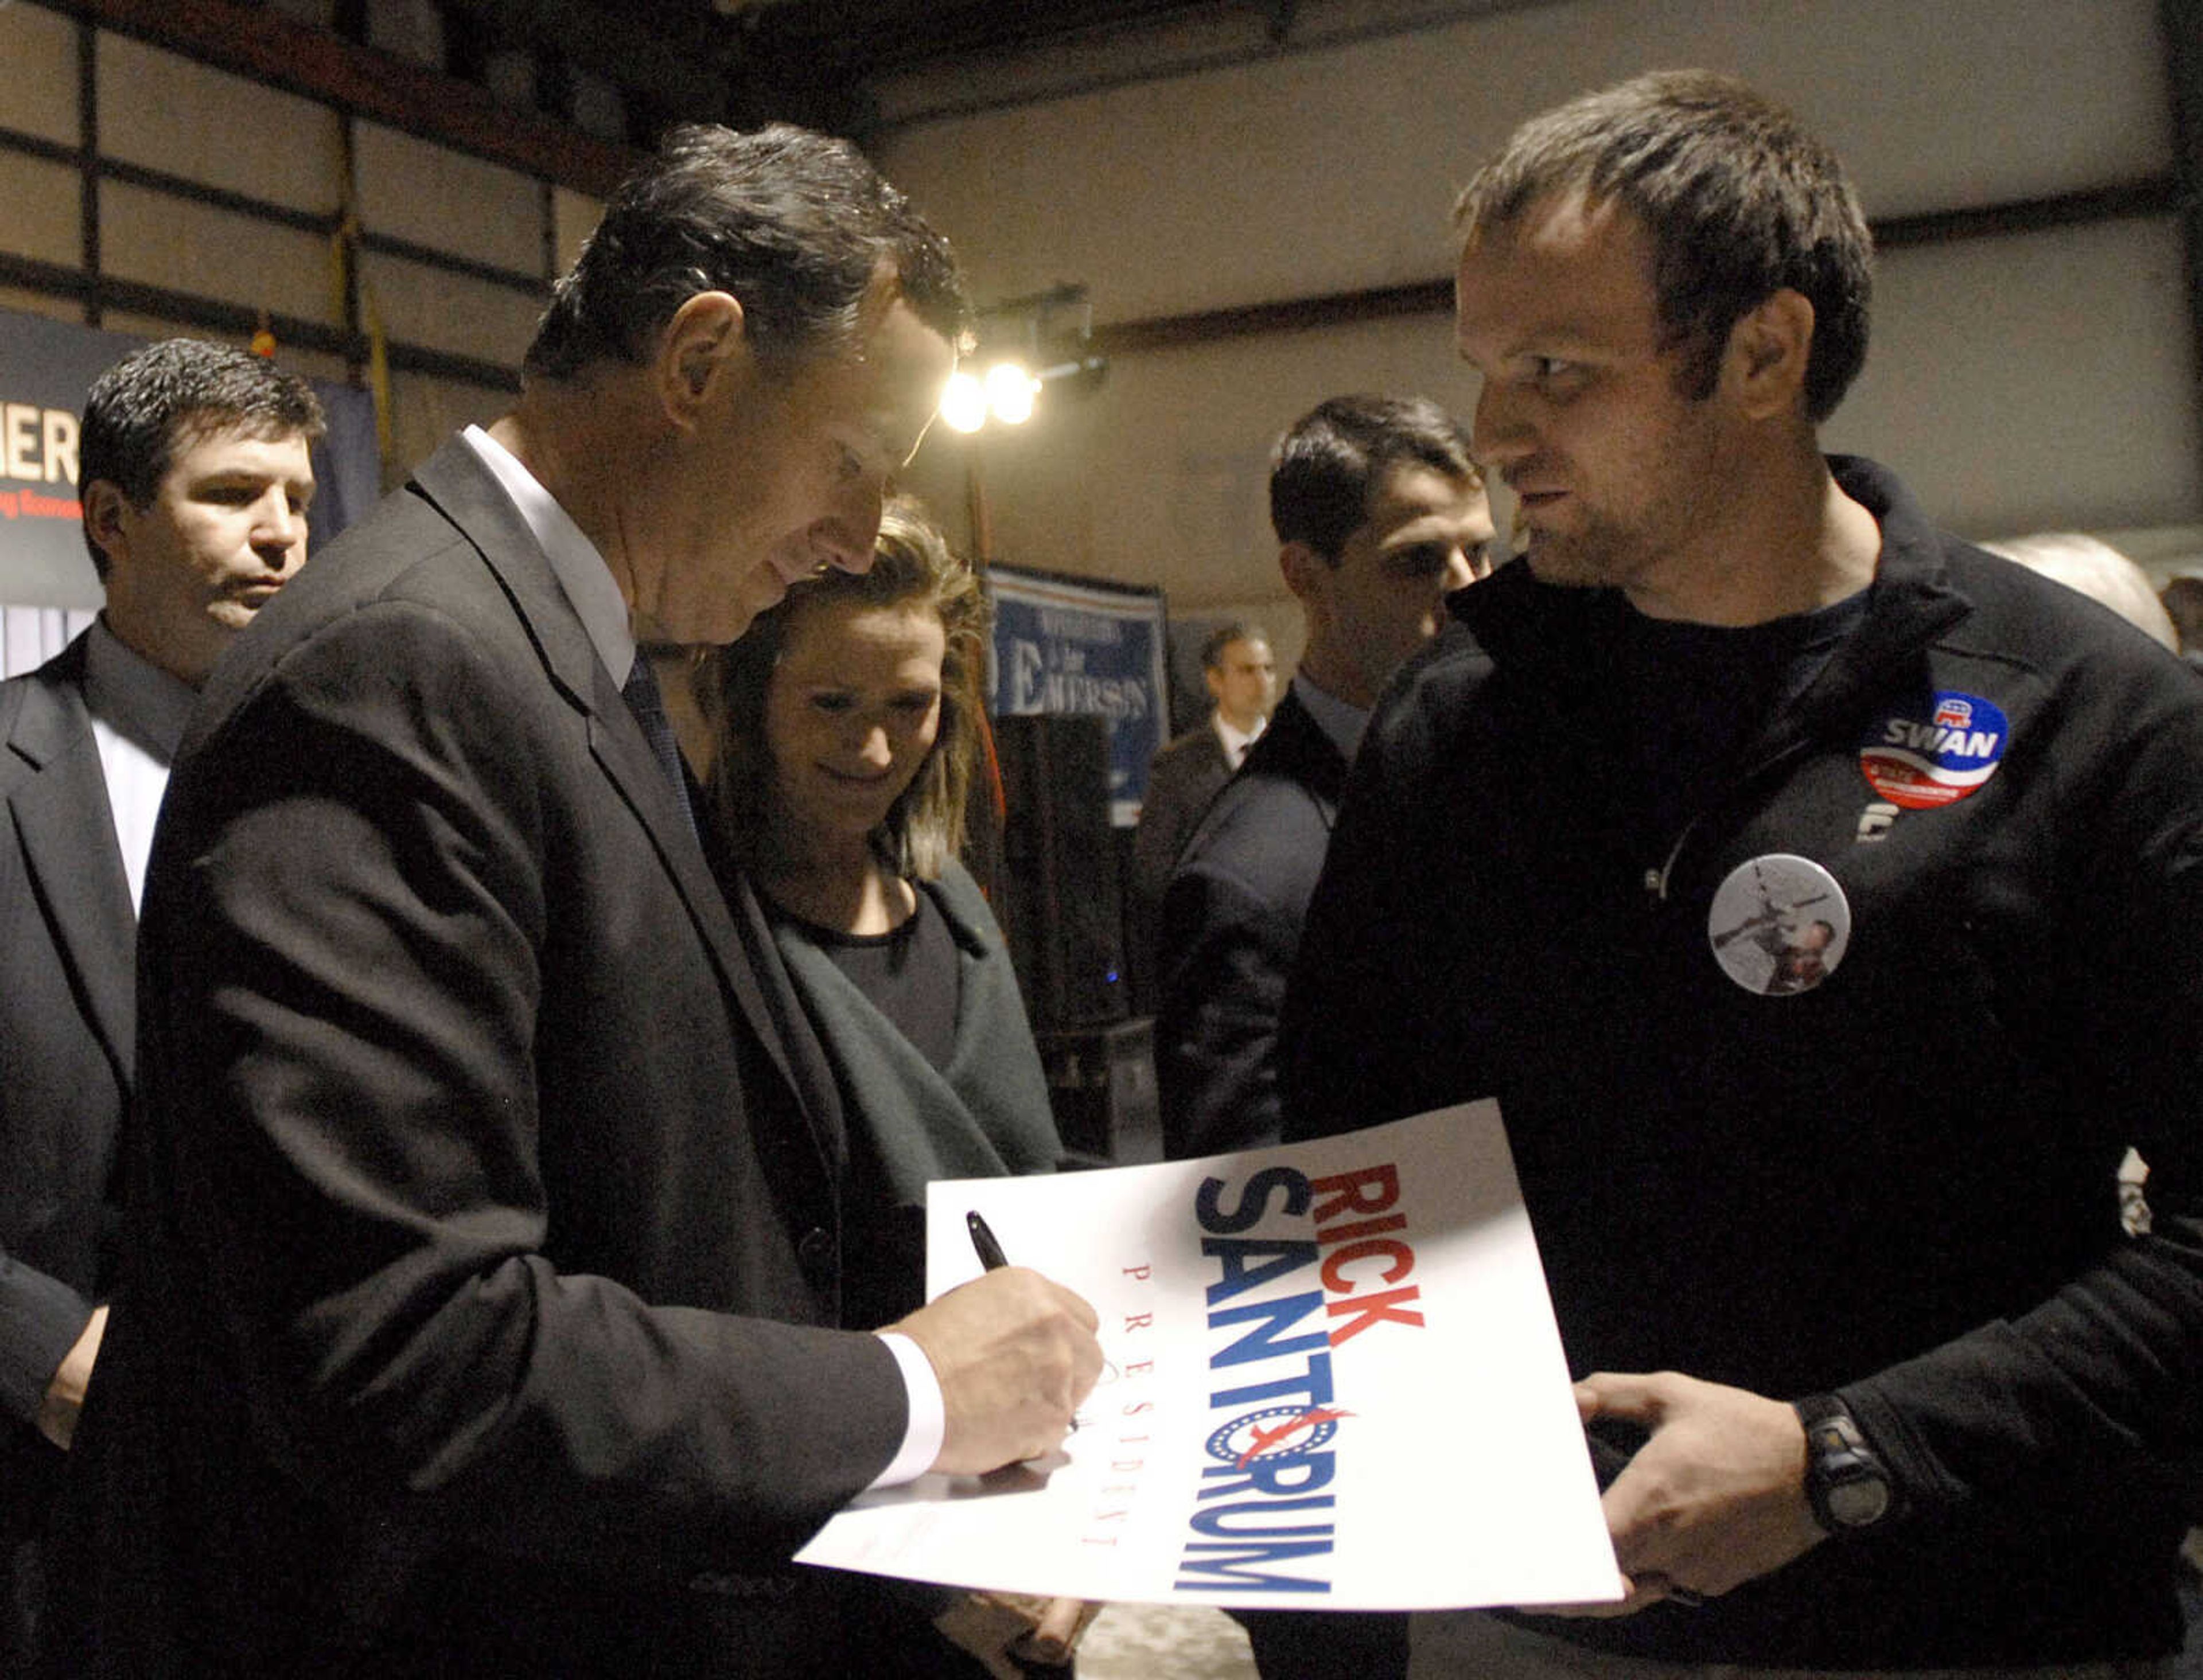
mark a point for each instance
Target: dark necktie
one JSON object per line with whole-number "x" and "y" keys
{"x": 643, "y": 699}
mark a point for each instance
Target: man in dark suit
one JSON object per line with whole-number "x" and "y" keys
{"x": 1379, "y": 513}
{"x": 193, "y": 475}
{"x": 479, "y": 1310}
{"x": 1183, "y": 775}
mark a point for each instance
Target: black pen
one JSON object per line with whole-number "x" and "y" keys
{"x": 984, "y": 1244}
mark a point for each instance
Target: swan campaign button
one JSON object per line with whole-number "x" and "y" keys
{"x": 1936, "y": 754}
{"x": 1779, "y": 925}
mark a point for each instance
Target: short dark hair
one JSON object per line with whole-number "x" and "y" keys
{"x": 2182, "y": 599}
{"x": 140, "y": 410}
{"x": 1331, "y": 461}
{"x": 795, "y": 226}
{"x": 911, "y": 565}
{"x": 1213, "y": 645}
{"x": 1739, "y": 201}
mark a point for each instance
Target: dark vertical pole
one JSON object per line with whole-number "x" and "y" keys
{"x": 347, "y": 241}
{"x": 549, "y": 190}
{"x": 2182, "y": 22}
{"x": 87, "y": 129}
{"x": 977, "y": 508}
{"x": 986, "y": 807}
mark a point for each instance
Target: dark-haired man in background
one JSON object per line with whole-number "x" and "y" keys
{"x": 481, "y": 1294}
{"x": 1183, "y": 775}
{"x": 1836, "y": 1249}
{"x": 1240, "y": 673}
{"x": 1380, "y": 514}
{"x": 194, "y": 477}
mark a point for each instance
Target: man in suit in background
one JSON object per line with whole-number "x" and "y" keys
{"x": 1380, "y": 515}
{"x": 194, "y": 478}
{"x": 479, "y": 1310}
{"x": 1185, "y": 774}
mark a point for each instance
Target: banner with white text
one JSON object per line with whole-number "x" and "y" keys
{"x": 1065, "y": 646}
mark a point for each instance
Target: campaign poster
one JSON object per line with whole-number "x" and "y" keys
{"x": 1334, "y": 1381}
{"x": 1065, "y": 645}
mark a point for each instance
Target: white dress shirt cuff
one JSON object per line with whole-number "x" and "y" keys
{"x": 929, "y": 1414}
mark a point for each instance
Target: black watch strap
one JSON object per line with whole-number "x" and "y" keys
{"x": 1847, "y": 1483}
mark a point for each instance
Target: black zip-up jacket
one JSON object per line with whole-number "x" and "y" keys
{"x": 1898, "y": 1185}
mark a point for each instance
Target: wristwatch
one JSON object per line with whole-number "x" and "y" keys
{"x": 1848, "y": 1486}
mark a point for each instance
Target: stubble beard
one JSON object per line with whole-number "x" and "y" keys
{"x": 1596, "y": 557}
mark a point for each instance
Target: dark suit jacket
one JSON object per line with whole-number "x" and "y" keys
{"x": 1182, "y": 776}
{"x": 1230, "y": 927}
{"x": 68, "y": 1019}
{"x": 483, "y": 1236}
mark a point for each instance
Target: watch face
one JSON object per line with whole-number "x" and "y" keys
{"x": 1857, "y": 1502}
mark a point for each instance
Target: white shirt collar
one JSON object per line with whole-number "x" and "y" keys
{"x": 134, "y": 697}
{"x": 138, "y": 712}
{"x": 1235, "y": 742}
{"x": 580, "y": 569}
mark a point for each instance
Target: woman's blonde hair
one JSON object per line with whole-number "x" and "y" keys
{"x": 912, "y": 566}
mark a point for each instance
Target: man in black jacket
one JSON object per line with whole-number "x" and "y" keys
{"x": 195, "y": 474}
{"x": 1836, "y": 923}
{"x": 1380, "y": 514}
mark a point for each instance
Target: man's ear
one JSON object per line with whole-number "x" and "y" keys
{"x": 1302, "y": 568}
{"x": 1769, "y": 349}
{"x": 105, "y": 506}
{"x": 706, "y": 341}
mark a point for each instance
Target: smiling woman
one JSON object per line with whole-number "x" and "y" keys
{"x": 846, "y": 725}
{"x": 846, "y": 722}
{"x": 851, "y": 710}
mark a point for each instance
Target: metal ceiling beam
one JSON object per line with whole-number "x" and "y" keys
{"x": 870, "y": 37}
{"x": 685, "y": 75}
{"x": 264, "y": 45}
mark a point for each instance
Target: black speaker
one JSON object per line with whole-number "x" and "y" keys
{"x": 1101, "y": 1090}
{"x": 1060, "y": 908}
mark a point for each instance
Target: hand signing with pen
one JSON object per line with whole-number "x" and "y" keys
{"x": 1715, "y": 1498}
{"x": 1015, "y": 1353}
